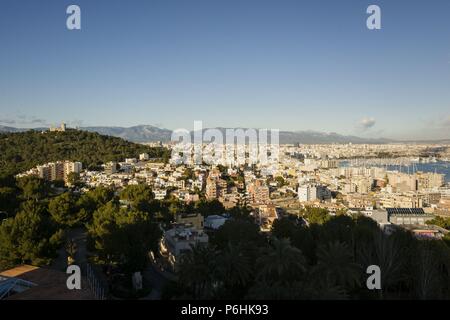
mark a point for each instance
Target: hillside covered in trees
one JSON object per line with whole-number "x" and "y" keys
{"x": 24, "y": 150}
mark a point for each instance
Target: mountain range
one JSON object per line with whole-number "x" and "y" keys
{"x": 148, "y": 133}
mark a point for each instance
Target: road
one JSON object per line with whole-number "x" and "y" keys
{"x": 79, "y": 235}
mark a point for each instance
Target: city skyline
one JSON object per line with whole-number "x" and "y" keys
{"x": 295, "y": 67}
{"x": 219, "y": 156}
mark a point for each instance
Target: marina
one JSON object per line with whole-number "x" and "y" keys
{"x": 405, "y": 165}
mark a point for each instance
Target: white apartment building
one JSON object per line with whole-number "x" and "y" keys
{"x": 144, "y": 157}
{"x": 313, "y": 192}
{"x": 59, "y": 170}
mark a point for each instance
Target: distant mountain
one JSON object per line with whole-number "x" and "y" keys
{"x": 9, "y": 129}
{"x": 314, "y": 137}
{"x": 142, "y": 133}
{"x": 148, "y": 133}
{"x": 12, "y": 129}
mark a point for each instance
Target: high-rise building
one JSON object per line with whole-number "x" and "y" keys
{"x": 402, "y": 182}
{"x": 71, "y": 167}
{"x": 311, "y": 192}
{"x": 429, "y": 180}
{"x": 111, "y": 167}
{"x": 307, "y": 193}
{"x": 259, "y": 192}
{"x": 58, "y": 171}
{"x": 44, "y": 172}
{"x": 212, "y": 190}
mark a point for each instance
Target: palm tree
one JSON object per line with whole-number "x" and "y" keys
{"x": 391, "y": 254}
{"x": 263, "y": 290}
{"x": 234, "y": 272}
{"x": 281, "y": 262}
{"x": 336, "y": 266}
{"x": 431, "y": 268}
{"x": 196, "y": 271}
{"x": 234, "y": 266}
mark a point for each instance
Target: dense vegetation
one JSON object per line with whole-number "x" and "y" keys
{"x": 322, "y": 261}
{"x": 122, "y": 227}
{"x": 441, "y": 222}
{"x": 33, "y": 218}
{"x": 29, "y": 237}
{"x": 326, "y": 259}
{"x": 123, "y": 237}
{"x": 33, "y": 228}
{"x": 24, "y": 150}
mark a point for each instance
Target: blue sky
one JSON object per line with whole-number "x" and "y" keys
{"x": 287, "y": 64}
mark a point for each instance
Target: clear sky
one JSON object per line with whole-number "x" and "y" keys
{"x": 287, "y": 64}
